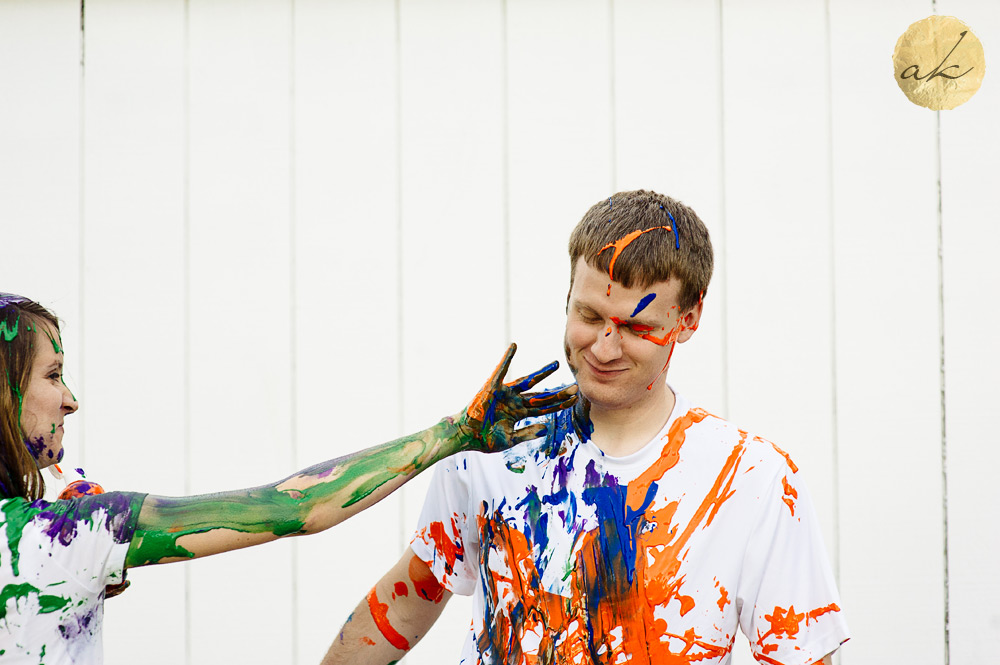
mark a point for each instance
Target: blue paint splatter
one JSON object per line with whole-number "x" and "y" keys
{"x": 643, "y": 303}
{"x": 528, "y": 381}
{"x": 673, "y": 225}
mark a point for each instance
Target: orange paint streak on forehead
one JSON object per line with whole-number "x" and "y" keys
{"x": 620, "y": 245}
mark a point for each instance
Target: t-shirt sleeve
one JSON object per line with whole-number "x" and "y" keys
{"x": 91, "y": 535}
{"x": 788, "y": 601}
{"x": 446, "y": 538}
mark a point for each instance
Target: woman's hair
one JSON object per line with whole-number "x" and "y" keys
{"x": 20, "y": 321}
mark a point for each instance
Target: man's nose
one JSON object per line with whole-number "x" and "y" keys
{"x": 608, "y": 346}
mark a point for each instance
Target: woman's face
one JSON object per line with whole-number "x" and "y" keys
{"x": 47, "y": 401}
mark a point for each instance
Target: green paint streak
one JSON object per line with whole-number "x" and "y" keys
{"x": 62, "y": 380}
{"x": 53, "y": 429}
{"x": 55, "y": 342}
{"x": 152, "y": 546}
{"x": 17, "y": 392}
{"x": 9, "y": 334}
{"x": 340, "y": 484}
{"x": 18, "y": 592}
{"x": 16, "y": 518}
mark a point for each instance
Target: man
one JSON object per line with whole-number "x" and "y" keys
{"x": 639, "y": 528}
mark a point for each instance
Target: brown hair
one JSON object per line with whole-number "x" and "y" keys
{"x": 20, "y": 319}
{"x": 682, "y": 250}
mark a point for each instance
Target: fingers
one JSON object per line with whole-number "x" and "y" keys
{"x": 552, "y": 408}
{"x": 482, "y": 404}
{"x": 527, "y": 382}
{"x": 565, "y": 396}
{"x": 496, "y": 379}
{"x": 528, "y": 433}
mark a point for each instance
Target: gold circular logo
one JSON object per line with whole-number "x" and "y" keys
{"x": 939, "y": 63}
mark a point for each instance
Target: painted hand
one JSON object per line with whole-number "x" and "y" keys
{"x": 490, "y": 418}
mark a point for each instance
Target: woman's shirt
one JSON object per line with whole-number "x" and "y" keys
{"x": 55, "y": 560}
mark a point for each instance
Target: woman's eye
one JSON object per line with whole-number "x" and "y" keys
{"x": 55, "y": 376}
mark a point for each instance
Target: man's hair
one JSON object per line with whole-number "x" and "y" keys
{"x": 668, "y": 242}
{"x": 22, "y": 328}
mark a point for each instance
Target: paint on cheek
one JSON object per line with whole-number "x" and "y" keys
{"x": 380, "y": 613}
{"x": 37, "y": 447}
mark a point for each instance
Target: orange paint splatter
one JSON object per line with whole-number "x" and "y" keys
{"x": 786, "y": 624}
{"x": 401, "y": 589}
{"x": 790, "y": 495}
{"x": 380, "y": 613}
{"x": 445, "y": 546}
{"x": 817, "y": 613}
{"x": 620, "y": 244}
{"x": 723, "y": 596}
{"x": 424, "y": 582}
{"x": 620, "y": 622}
{"x": 476, "y": 408}
{"x": 791, "y": 464}
{"x": 369, "y": 641}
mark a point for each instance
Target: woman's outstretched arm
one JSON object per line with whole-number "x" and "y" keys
{"x": 314, "y": 499}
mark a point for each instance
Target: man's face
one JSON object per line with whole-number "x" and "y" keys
{"x": 618, "y": 344}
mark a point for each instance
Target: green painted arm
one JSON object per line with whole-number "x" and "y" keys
{"x": 314, "y": 499}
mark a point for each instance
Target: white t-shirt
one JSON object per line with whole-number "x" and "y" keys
{"x": 578, "y": 557}
{"x": 55, "y": 560}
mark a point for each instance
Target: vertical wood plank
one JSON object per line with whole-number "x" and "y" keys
{"x": 133, "y": 290}
{"x": 347, "y": 290}
{"x": 560, "y": 159}
{"x": 778, "y": 259}
{"x": 40, "y": 173}
{"x": 889, "y": 416}
{"x": 668, "y": 138}
{"x": 452, "y": 261}
{"x": 240, "y": 313}
{"x": 969, "y": 169}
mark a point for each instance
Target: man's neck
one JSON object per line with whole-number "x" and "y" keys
{"x": 621, "y": 432}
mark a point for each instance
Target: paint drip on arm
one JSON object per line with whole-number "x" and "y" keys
{"x": 380, "y": 615}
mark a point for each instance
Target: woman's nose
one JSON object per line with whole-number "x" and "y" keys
{"x": 69, "y": 400}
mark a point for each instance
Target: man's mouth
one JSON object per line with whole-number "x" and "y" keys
{"x": 605, "y": 372}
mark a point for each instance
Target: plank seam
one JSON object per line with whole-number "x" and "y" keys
{"x": 723, "y": 278}
{"x": 832, "y": 241}
{"x": 186, "y": 233}
{"x": 293, "y": 315}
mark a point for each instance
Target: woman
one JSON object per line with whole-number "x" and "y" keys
{"x": 57, "y": 557}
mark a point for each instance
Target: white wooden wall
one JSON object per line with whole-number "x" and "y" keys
{"x": 282, "y": 230}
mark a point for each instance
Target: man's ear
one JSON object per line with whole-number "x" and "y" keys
{"x": 689, "y": 322}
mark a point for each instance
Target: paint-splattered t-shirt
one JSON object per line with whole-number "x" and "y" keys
{"x": 658, "y": 557}
{"x": 55, "y": 560}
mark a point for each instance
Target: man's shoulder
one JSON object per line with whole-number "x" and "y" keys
{"x": 699, "y": 425}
